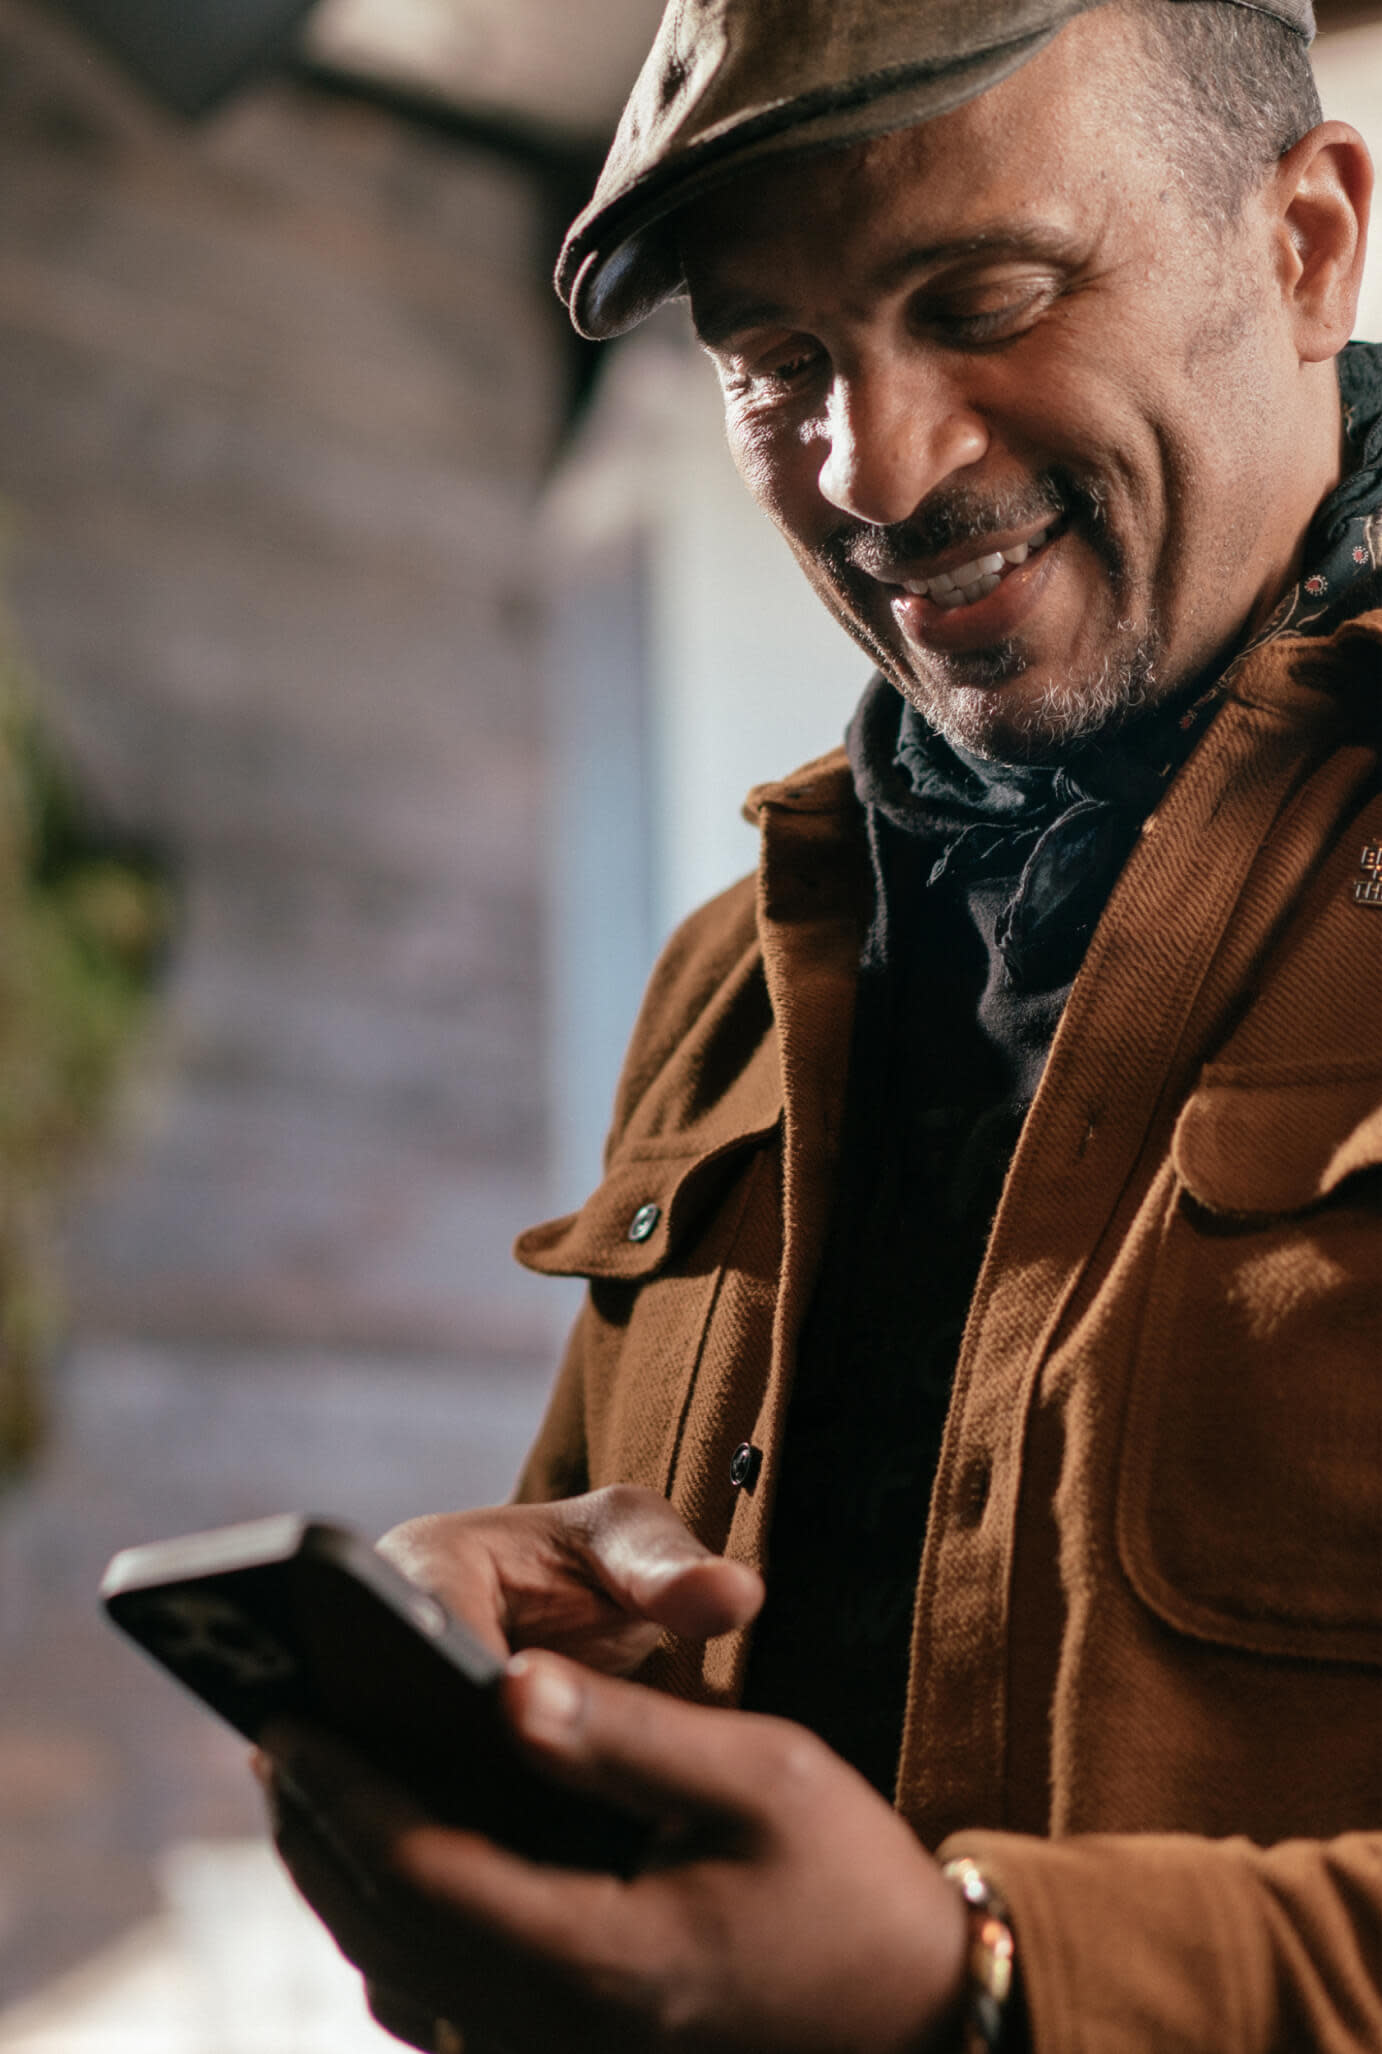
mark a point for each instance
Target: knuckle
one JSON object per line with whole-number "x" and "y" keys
{"x": 630, "y": 1525}
{"x": 617, "y": 1504}
{"x": 790, "y": 1764}
{"x": 417, "y": 1541}
{"x": 633, "y": 1981}
{"x": 599, "y": 1528}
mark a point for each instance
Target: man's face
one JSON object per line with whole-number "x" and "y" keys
{"x": 1026, "y": 419}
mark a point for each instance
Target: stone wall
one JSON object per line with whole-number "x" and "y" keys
{"x": 275, "y": 394}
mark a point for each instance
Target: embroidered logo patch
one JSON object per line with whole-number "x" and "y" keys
{"x": 1367, "y": 890}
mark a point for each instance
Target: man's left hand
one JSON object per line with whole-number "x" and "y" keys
{"x": 787, "y": 1906}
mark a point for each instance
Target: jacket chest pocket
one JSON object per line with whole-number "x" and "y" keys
{"x": 682, "y": 1248}
{"x": 1250, "y": 1499}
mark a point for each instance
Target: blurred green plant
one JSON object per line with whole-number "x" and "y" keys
{"x": 85, "y": 918}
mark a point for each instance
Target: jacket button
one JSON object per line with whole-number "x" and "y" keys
{"x": 744, "y": 1466}
{"x": 644, "y": 1221}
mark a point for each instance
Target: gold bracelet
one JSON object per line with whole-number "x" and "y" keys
{"x": 991, "y": 1962}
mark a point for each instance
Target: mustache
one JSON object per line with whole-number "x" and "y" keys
{"x": 953, "y": 515}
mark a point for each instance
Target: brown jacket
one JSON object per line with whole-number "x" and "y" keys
{"x": 1146, "y": 1681}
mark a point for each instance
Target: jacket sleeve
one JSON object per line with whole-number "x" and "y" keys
{"x": 1129, "y": 1943}
{"x": 558, "y": 1461}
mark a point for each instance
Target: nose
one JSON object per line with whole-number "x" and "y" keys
{"x": 896, "y": 432}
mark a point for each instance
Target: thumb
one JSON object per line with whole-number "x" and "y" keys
{"x": 649, "y": 1561}
{"x": 655, "y": 1755}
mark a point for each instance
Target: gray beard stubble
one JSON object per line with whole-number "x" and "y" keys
{"x": 957, "y": 701}
{"x": 1069, "y": 712}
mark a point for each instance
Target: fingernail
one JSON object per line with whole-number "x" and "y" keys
{"x": 551, "y": 1701}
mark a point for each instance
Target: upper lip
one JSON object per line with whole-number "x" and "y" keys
{"x": 920, "y": 569}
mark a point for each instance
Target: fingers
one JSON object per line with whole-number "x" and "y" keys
{"x": 656, "y": 1755}
{"x": 424, "y": 1963}
{"x": 441, "y": 1909}
{"x": 360, "y": 1850}
{"x": 787, "y": 1884}
{"x": 454, "y": 1555}
{"x": 328, "y": 1859}
{"x": 648, "y": 1559}
{"x": 332, "y": 1887}
{"x": 595, "y": 1576}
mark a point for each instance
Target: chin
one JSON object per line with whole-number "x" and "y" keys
{"x": 996, "y": 704}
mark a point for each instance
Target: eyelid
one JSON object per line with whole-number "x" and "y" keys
{"x": 750, "y": 342}
{"x": 946, "y": 313}
{"x": 746, "y": 366}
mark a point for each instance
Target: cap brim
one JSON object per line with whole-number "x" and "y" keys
{"x": 621, "y": 262}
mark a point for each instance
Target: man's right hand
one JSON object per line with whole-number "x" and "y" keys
{"x": 597, "y": 1577}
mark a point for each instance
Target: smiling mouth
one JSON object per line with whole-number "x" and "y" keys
{"x": 974, "y": 580}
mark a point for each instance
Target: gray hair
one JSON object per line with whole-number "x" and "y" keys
{"x": 1231, "y": 90}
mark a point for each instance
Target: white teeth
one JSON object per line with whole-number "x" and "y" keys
{"x": 971, "y": 581}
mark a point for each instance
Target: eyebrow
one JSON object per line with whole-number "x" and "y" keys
{"x": 727, "y": 313}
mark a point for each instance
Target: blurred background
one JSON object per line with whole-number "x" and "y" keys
{"x": 380, "y": 675}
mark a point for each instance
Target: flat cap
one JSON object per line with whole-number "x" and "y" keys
{"x": 731, "y": 81}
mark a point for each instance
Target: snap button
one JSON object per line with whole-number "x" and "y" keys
{"x": 644, "y": 1221}
{"x": 744, "y": 1466}
{"x": 973, "y": 1493}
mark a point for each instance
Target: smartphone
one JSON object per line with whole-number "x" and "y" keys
{"x": 295, "y": 1617}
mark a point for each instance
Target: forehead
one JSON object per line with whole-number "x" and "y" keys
{"x": 1046, "y": 148}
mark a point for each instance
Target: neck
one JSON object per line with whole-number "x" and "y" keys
{"x": 1316, "y": 456}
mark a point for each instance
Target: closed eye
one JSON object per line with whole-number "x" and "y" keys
{"x": 983, "y": 318}
{"x": 789, "y": 369}
{"x": 768, "y": 374}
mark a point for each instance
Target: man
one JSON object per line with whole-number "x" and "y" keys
{"x": 1028, "y": 320}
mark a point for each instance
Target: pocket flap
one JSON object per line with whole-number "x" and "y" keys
{"x": 640, "y": 1215}
{"x": 1261, "y": 1140}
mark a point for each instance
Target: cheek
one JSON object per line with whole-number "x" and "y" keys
{"x": 1101, "y": 376}
{"x": 1070, "y": 413}
{"x": 781, "y": 471}
{"x": 1125, "y": 454}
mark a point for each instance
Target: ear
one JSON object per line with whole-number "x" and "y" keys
{"x": 1320, "y": 195}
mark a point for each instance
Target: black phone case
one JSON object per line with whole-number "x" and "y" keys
{"x": 293, "y": 1617}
